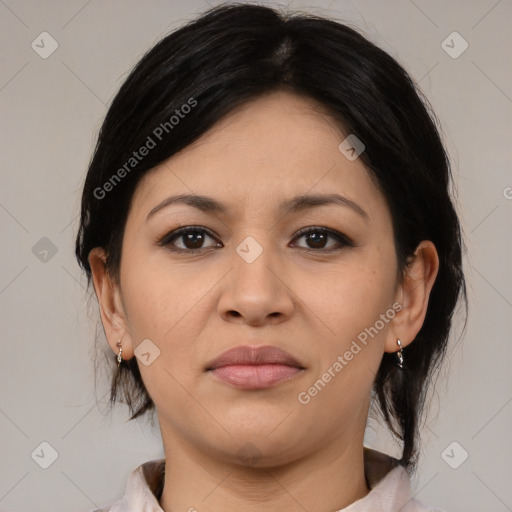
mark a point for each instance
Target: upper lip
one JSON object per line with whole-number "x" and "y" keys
{"x": 246, "y": 354}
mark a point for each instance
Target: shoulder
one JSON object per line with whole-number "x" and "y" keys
{"x": 393, "y": 492}
{"x": 390, "y": 486}
{"x": 143, "y": 489}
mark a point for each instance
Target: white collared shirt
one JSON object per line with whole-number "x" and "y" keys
{"x": 389, "y": 483}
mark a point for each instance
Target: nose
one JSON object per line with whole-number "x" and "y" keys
{"x": 256, "y": 290}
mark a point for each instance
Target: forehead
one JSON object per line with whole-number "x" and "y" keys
{"x": 266, "y": 151}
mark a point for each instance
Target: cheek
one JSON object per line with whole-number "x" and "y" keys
{"x": 355, "y": 309}
{"x": 350, "y": 351}
{"x": 165, "y": 303}
{"x": 152, "y": 288}
{"x": 148, "y": 304}
{"x": 352, "y": 297}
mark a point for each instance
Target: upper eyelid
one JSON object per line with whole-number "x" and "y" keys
{"x": 176, "y": 233}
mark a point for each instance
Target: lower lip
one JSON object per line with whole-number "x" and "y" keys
{"x": 259, "y": 376}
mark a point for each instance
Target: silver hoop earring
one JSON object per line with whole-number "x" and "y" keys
{"x": 400, "y": 356}
{"x": 119, "y": 356}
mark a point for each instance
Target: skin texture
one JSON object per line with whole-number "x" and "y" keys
{"x": 295, "y": 295}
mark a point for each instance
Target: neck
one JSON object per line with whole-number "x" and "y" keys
{"x": 329, "y": 479}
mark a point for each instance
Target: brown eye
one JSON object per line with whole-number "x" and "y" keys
{"x": 317, "y": 237}
{"x": 192, "y": 239}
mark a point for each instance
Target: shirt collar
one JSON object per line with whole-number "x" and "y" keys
{"x": 389, "y": 485}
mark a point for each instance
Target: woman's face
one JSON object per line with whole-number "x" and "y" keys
{"x": 255, "y": 280}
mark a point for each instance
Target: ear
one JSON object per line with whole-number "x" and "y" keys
{"x": 112, "y": 312}
{"x": 413, "y": 295}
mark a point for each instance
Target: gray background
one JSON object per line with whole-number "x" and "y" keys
{"x": 51, "y": 110}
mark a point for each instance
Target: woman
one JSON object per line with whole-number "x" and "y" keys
{"x": 268, "y": 227}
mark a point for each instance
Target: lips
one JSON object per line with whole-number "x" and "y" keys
{"x": 247, "y": 355}
{"x": 254, "y": 368}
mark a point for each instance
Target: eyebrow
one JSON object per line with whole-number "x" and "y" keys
{"x": 295, "y": 204}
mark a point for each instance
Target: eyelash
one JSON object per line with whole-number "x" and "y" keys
{"x": 169, "y": 237}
